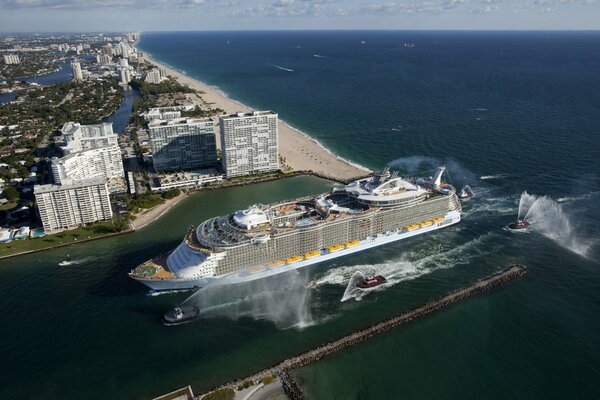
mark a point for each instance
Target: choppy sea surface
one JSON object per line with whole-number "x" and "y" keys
{"x": 514, "y": 115}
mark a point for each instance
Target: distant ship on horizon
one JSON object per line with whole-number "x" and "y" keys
{"x": 266, "y": 240}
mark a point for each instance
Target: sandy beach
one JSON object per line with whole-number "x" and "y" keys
{"x": 300, "y": 152}
{"x": 145, "y": 217}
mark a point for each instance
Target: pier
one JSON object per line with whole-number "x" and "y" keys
{"x": 282, "y": 369}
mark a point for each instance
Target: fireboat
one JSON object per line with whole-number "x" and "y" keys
{"x": 518, "y": 225}
{"x": 181, "y": 315}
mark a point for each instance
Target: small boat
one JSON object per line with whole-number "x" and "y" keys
{"x": 518, "y": 225}
{"x": 312, "y": 285}
{"x": 371, "y": 282}
{"x": 66, "y": 262}
{"x": 181, "y": 315}
{"x": 466, "y": 193}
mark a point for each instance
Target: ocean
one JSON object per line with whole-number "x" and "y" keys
{"x": 515, "y": 115}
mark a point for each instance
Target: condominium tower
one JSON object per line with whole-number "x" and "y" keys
{"x": 69, "y": 206}
{"x": 182, "y": 143}
{"x": 249, "y": 143}
{"x": 76, "y": 69}
{"x": 79, "y": 137}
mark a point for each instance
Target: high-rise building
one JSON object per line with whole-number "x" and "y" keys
{"x": 64, "y": 207}
{"x": 183, "y": 143}
{"x": 105, "y": 162}
{"x": 125, "y": 75}
{"x": 12, "y": 59}
{"x": 79, "y": 137}
{"x": 77, "y": 74}
{"x": 107, "y": 50}
{"x": 103, "y": 59}
{"x": 154, "y": 76}
{"x": 249, "y": 143}
{"x": 123, "y": 62}
{"x": 90, "y": 151}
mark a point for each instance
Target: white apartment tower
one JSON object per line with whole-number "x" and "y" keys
{"x": 90, "y": 151}
{"x": 154, "y": 76}
{"x": 76, "y": 69}
{"x": 79, "y": 137}
{"x": 105, "y": 162}
{"x": 182, "y": 143}
{"x": 12, "y": 59}
{"x": 125, "y": 75}
{"x": 249, "y": 143}
{"x": 64, "y": 207}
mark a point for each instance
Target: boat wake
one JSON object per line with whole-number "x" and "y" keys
{"x": 411, "y": 265}
{"x": 282, "y": 68}
{"x": 320, "y": 56}
{"x": 492, "y": 177}
{"x": 568, "y": 199}
{"x": 548, "y": 217}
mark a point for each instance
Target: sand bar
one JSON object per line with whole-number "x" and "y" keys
{"x": 300, "y": 152}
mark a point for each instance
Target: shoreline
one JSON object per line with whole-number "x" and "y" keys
{"x": 147, "y": 216}
{"x": 300, "y": 151}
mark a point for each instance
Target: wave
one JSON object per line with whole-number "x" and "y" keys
{"x": 477, "y": 109}
{"x": 585, "y": 196}
{"x": 320, "y": 56}
{"x": 282, "y": 68}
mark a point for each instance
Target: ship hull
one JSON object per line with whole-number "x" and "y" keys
{"x": 259, "y": 272}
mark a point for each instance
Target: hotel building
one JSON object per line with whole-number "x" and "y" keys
{"x": 249, "y": 143}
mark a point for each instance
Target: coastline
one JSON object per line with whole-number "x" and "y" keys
{"x": 300, "y": 151}
{"x": 148, "y": 216}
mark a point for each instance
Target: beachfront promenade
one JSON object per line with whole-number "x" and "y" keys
{"x": 478, "y": 287}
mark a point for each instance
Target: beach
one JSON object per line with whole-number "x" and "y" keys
{"x": 145, "y": 217}
{"x": 299, "y": 151}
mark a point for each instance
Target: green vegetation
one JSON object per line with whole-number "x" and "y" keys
{"x": 87, "y": 232}
{"x": 32, "y": 63}
{"x": 170, "y": 194}
{"x": 221, "y": 394}
{"x": 245, "y": 384}
{"x": 11, "y": 194}
{"x": 267, "y": 379}
{"x": 149, "y": 200}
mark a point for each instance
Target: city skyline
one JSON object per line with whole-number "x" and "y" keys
{"x": 116, "y": 15}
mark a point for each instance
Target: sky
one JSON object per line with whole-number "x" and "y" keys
{"x": 171, "y": 15}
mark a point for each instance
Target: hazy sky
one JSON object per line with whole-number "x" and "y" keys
{"x": 140, "y": 15}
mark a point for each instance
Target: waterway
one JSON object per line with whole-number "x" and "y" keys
{"x": 120, "y": 118}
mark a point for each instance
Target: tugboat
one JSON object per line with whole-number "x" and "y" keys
{"x": 181, "y": 315}
{"x": 466, "y": 193}
{"x": 518, "y": 225}
{"x": 371, "y": 282}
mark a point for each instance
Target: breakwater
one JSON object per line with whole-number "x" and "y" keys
{"x": 478, "y": 287}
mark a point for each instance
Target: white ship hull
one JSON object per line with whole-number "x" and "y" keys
{"x": 258, "y": 272}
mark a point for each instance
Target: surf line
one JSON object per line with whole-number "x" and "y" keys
{"x": 478, "y": 287}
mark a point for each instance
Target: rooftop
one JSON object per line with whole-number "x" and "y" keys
{"x": 38, "y": 189}
{"x": 177, "y": 121}
{"x": 249, "y": 114}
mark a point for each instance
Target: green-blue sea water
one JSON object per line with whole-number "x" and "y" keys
{"x": 505, "y": 112}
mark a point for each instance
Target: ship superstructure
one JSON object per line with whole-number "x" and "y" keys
{"x": 265, "y": 240}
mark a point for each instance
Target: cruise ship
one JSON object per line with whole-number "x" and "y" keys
{"x": 265, "y": 240}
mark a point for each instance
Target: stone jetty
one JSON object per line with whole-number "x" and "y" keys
{"x": 282, "y": 369}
